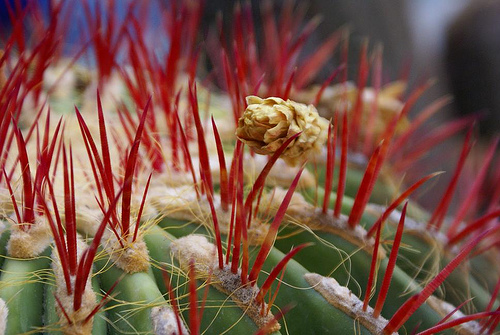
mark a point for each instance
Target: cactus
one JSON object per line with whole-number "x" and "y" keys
{"x": 159, "y": 203}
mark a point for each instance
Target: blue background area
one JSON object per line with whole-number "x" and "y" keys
{"x": 77, "y": 33}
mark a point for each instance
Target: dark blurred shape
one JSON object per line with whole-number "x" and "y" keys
{"x": 473, "y": 63}
{"x": 4, "y": 13}
{"x": 380, "y": 21}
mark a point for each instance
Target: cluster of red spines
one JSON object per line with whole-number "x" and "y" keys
{"x": 31, "y": 186}
{"x": 106, "y": 35}
{"x": 241, "y": 82}
{"x": 241, "y": 210}
{"x": 150, "y": 75}
{"x": 414, "y": 302}
{"x": 105, "y": 178}
{"x": 399, "y": 152}
{"x": 39, "y": 48}
{"x": 37, "y": 191}
{"x": 272, "y": 68}
{"x": 386, "y": 149}
{"x": 65, "y": 238}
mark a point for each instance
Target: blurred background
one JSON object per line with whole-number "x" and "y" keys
{"x": 457, "y": 42}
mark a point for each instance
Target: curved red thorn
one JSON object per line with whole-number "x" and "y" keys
{"x": 495, "y": 320}
{"x": 187, "y": 154}
{"x": 202, "y": 146}
{"x": 473, "y": 193}
{"x": 216, "y": 227}
{"x": 28, "y": 196}
{"x": 232, "y": 177}
{"x": 69, "y": 213}
{"x": 476, "y": 225}
{"x": 391, "y": 127}
{"x": 399, "y": 200}
{"x": 224, "y": 190}
{"x": 431, "y": 140}
{"x": 419, "y": 120}
{"x": 60, "y": 247}
{"x": 326, "y": 83}
{"x": 313, "y": 64}
{"x": 259, "y": 182}
{"x": 172, "y": 300}
{"x": 244, "y": 234}
{"x": 93, "y": 155}
{"x": 87, "y": 258}
{"x": 276, "y": 270}
{"x": 239, "y": 218}
{"x": 288, "y": 87}
{"x": 271, "y": 323}
{"x": 102, "y": 302}
{"x": 330, "y": 163}
{"x": 141, "y": 208}
{"x": 129, "y": 174}
{"x": 439, "y": 213}
{"x": 365, "y": 188}
{"x": 443, "y": 326}
{"x": 273, "y": 230}
{"x": 106, "y": 160}
{"x": 343, "y": 166}
{"x": 412, "y": 304}
{"x": 12, "y": 196}
{"x": 373, "y": 264}
{"x": 194, "y": 322}
{"x": 384, "y": 289}
{"x": 494, "y": 295}
{"x": 450, "y": 314}
{"x": 66, "y": 316}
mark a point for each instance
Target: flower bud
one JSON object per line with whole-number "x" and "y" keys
{"x": 267, "y": 123}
